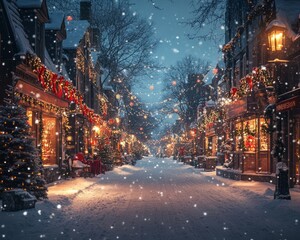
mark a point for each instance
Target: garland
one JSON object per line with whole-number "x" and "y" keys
{"x": 209, "y": 120}
{"x": 52, "y": 82}
{"x": 260, "y": 77}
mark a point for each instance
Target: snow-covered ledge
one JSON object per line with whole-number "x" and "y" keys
{"x": 50, "y": 166}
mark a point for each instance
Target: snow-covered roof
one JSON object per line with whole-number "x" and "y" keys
{"x": 29, "y": 3}
{"x": 56, "y": 20}
{"x": 75, "y": 32}
{"x": 287, "y": 13}
{"x": 17, "y": 28}
{"x": 208, "y": 78}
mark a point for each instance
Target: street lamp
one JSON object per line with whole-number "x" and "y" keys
{"x": 276, "y": 35}
{"x": 276, "y": 41}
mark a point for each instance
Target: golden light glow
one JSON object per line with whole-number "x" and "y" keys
{"x": 276, "y": 38}
{"x": 96, "y": 129}
{"x": 193, "y": 133}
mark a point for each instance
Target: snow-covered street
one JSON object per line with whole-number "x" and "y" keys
{"x": 157, "y": 199}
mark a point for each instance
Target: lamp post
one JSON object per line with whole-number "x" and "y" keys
{"x": 276, "y": 40}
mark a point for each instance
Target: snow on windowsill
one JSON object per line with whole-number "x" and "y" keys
{"x": 47, "y": 166}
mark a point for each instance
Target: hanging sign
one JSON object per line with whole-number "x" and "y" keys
{"x": 288, "y": 104}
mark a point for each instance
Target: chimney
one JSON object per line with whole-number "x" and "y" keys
{"x": 85, "y": 10}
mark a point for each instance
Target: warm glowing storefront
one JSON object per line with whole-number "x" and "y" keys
{"x": 44, "y": 112}
{"x": 251, "y": 145}
{"x": 251, "y": 142}
{"x": 46, "y": 134}
{"x": 49, "y": 139}
{"x": 288, "y": 106}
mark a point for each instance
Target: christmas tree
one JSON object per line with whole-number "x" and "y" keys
{"x": 105, "y": 152}
{"x": 20, "y": 164}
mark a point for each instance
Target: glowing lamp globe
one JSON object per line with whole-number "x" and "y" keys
{"x": 276, "y": 35}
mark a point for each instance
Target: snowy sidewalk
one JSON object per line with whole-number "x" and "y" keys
{"x": 156, "y": 199}
{"x": 261, "y": 188}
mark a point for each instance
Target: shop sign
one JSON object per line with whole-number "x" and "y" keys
{"x": 288, "y": 104}
{"x": 35, "y": 92}
{"x": 236, "y": 108}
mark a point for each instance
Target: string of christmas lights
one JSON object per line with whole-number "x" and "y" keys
{"x": 260, "y": 77}
{"x": 52, "y": 82}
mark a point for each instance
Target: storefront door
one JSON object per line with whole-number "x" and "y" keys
{"x": 49, "y": 140}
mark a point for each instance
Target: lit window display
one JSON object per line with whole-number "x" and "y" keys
{"x": 250, "y": 135}
{"x": 239, "y": 136}
{"x": 246, "y": 135}
{"x": 211, "y": 146}
{"x": 29, "y": 115}
{"x": 264, "y": 136}
{"x": 49, "y": 140}
{"x": 86, "y": 140}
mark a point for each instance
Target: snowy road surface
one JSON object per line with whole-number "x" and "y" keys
{"x": 158, "y": 199}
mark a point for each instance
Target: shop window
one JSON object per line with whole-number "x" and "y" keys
{"x": 239, "y": 136}
{"x": 250, "y": 135}
{"x": 87, "y": 140}
{"x": 246, "y": 135}
{"x": 29, "y": 116}
{"x": 264, "y": 136}
{"x": 214, "y": 145}
{"x": 49, "y": 141}
{"x": 209, "y": 146}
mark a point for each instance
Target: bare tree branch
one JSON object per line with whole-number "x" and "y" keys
{"x": 208, "y": 17}
{"x": 126, "y": 40}
{"x": 180, "y": 95}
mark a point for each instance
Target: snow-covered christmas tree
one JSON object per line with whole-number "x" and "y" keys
{"x": 20, "y": 164}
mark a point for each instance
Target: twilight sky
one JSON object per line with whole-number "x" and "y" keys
{"x": 174, "y": 44}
